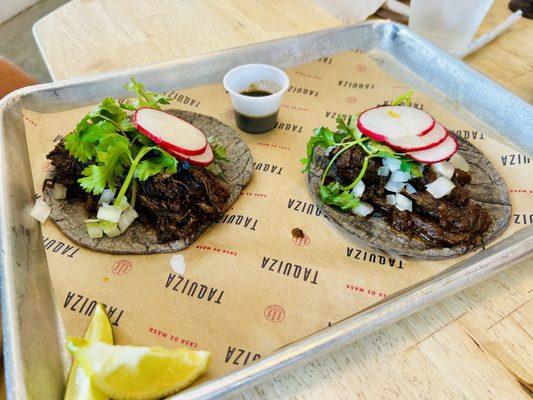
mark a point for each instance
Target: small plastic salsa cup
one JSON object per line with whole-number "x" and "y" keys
{"x": 256, "y": 91}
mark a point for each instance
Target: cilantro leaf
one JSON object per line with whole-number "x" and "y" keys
{"x": 333, "y": 195}
{"x": 145, "y": 98}
{"x": 403, "y": 99}
{"x": 341, "y": 124}
{"x": 83, "y": 151}
{"x": 352, "y": 124}
{"x": 348, "y": 129}
{"x": 104, "y": 120}
{"x": 376, "y": 149}
{"x": 412, "y": 167}
{"x": 154, "y": 165}
{"x": 94, "y": 133}
{"x": 111, "y": 165}
{"x": 142, "y": 139}
{"x": 108, "y": 110}
{"x": 220, "y": 152}
{"x": 323, "y": 137}
{"x": 108, "y": 142}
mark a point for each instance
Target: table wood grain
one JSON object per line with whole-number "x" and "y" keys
{"x": 477, "y": 344}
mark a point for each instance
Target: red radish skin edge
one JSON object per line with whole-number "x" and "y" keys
{"x": 381, "y": 138}
{"x": 442, "y": 159}
{"x": 411, "y": 149}
{"x": 196, "y": 159}
{"x": 161, "y": 143}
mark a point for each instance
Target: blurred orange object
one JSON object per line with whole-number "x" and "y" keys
{"x": 12, "y": 78}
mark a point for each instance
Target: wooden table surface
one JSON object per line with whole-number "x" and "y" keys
{"x": 475, "y": 345}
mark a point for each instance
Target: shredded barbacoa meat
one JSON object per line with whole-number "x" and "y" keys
{"x": 174, "y": 205}
{"x": 451, "y": 220}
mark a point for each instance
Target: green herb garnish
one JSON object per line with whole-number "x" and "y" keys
{"x": 144, "y": 98}
{"x": 118, "y": 153}
{"x": 221, "y": 153}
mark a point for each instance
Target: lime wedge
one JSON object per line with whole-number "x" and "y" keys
{"x": 79, "y": 385}
{"x": 138, "y": 373}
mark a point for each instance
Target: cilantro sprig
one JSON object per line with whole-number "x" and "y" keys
{"x": 117, "y": 154}
{"x": 345, "y": 137}
{"x": 145, "y": 98}
{"x": 220, "y": 152}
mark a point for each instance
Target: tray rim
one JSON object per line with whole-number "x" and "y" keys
{"x": 401, "y": 304}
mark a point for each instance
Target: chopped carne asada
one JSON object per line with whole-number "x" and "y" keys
{"x": 450, "y": 220}
{"x": 392, "y": 177}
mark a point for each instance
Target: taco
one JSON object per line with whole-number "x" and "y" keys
{"x": 171, "y": 198}
{"x": 404, "y": 191}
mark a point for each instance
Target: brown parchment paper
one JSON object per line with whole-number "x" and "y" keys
{"x": 249, "y": 287}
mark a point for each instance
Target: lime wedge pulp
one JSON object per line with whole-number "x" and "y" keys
{"x": 138, "y": 373}
{"x": 79, "y": 385}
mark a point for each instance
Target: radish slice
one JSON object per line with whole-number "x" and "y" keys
{"x": 201, "y": 160}
{"x": 394, "y": 122}
{"x": 416, "y": 143}
{"x": 438, "y": 153}
{"x": 170, "y": 132}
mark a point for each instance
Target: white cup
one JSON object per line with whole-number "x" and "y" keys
{"x": 450, "y": 24}
{"x": 256, "y": 114}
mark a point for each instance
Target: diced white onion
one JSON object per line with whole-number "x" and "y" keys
{"x": 403, "y": 203}
{"x": 358, "y": 189}
{"x": 363, "y": 209}
{"x": 94, "y": 229}
{"x": 109, "y": 213}
{"x": 443, "y": 168}
{"x": 410, "y": 189}
{"x": 383, "y": 171}
{"x": 392, "y": 163}
{"x": 391, "y": 199}
{"x": 40, "y": 210}
{"x": 59, "y": 192}
{"x": 127, "y": 218}
{"x": 123, "y": 203}
{"x": 395, "y": 187}
{"x": 177, "y": 263}
{"x": 440, "y": 187}
{"x": 400, "y": 176}
{"x": 106, "y": 196}
{"x": 110, "y": 228}
{"x": 459, "y": 162}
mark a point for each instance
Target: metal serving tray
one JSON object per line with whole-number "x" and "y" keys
{"x": 35, "y": 360}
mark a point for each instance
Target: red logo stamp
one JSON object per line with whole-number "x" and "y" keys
{"x": 301, "y": 241}
{"x": 275, "y": 313}
{"x": 351, "y": 99}
{"x": 230, "y": 114}
{"x": 46, "y": 166}
{"x": 361, "y": 68}
{"x": 299, "y": 238}
{"x": 121, "y": 267}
